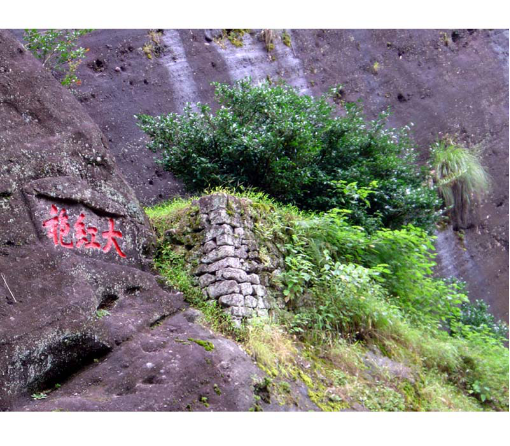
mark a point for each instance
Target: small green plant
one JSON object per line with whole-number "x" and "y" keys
{"x": 58, "y": 51}
{"x": 102, "y": 313}
{"x": 476, "y": 317}
{"x": 153, "y": 48}
{"x": 284, "y": 386}
{"x": 205, "y": 401}
{"x": 39, "y": 396}
{"x": 235, "y": 36}
{"x": 286, "y": 39}
{"x": 460, "y": 178}
{"x": 217, "y": 390}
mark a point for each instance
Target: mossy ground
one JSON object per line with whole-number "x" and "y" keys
{"x": 443, "y": 373}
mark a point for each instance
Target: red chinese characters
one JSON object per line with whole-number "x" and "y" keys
{"x": 58, "y": 229}
{"x": 110, "y": 236}
{"x": 82, "y": 234}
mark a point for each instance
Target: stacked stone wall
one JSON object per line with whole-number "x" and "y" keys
{"x": 231, "y": 270}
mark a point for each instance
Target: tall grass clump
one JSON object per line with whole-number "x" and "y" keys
{"x": 460, "y": 178}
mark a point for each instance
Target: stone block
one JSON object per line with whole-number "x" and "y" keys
{"x": 217, "y": 231}
{"x": 241, "y": 311}
{"x": 250, "y": 301}
{"x": 259, "y": 290}
{"x": 206, "y": 280}
{"x": 208, "y": 247}
{"x": 232, "y": 300}
{"x": 210, "y": 203}
{"x": 222, "y": 288}
{"x": 218, "y": 254}
{"x": 241, "y": 252}
{"x": 233, "y": 273}
{"x": 246, "y": 289}
{"x": 225, "y": 239}
{"x": 219, "y": 217}
{"x": 254, "y": 279}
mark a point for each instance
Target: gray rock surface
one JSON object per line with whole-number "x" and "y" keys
{"x": 79, "y": 305}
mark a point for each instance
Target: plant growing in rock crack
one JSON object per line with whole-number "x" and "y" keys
{"x": 154, "y": 47}
{"x": 460, "y": 178}
{"x": 286, "y": 39}
{"x": 58, "y": 51}
{"x": 39, "y": 396}
{"x": 102, "y": 313}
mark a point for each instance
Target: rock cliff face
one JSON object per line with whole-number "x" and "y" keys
{"x": 76, "y": 291}
{"x": 443, "y": 81}
{"x": 74, "y": 239}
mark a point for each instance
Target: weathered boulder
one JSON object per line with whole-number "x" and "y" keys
{"x": 73, "y": 239}
{"x": 79, "y": 306}
{"x": 166, "y": 369}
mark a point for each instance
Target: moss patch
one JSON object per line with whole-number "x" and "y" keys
{"x": 208, "y": 346}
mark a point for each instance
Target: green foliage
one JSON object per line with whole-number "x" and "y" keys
{"x": 346, "y": 299}
{"x": 460, "y": 178}
{"x": 476, "y": 318}
{"x": 381, "y": 398}
{"x": 351, "y": 292}
{"x": 296, "y": 149}
{"x": 286, "y": 39}
{"x": 408, "y": 256}
{"x": 102, "y": 313}
{"x": 58, "y": 51}
{"x": 235, "y": 36}
{"x": 39, "y": 396}
{"x": 400, "y": 261}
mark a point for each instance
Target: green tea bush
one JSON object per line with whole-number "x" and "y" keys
{"x": 402, "y": 261}
{"x": 408, "y": 258}
{"x": 296, "y": 149}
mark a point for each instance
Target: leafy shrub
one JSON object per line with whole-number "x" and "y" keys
{"x": 295, "y": 148}
{"x": 58, "y": 50}
{"x": 346, "y": 299}
{"x": 402, "y": 261}
{"x": 461, "y": 179}
{"x": 408, "y": 256}
{"x": 476, "y": 318}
